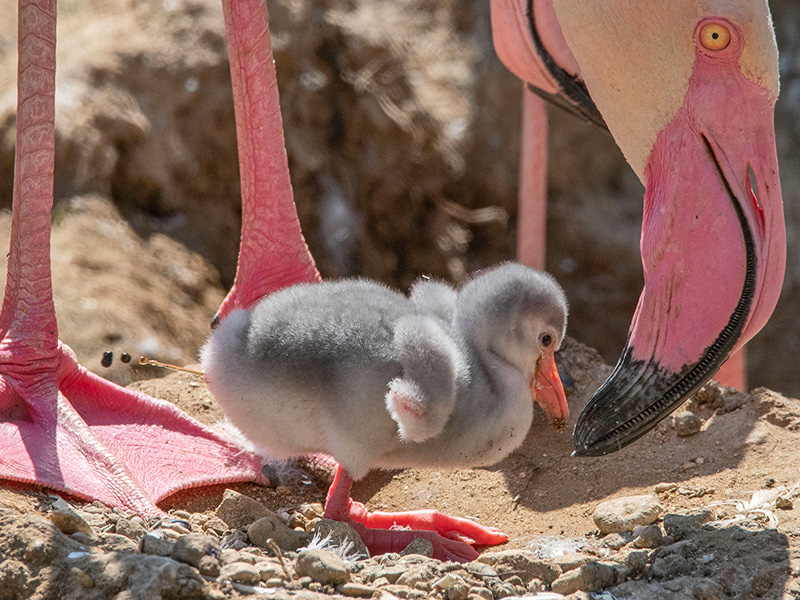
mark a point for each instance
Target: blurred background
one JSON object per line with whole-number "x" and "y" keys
{"x": 402, "y": 129}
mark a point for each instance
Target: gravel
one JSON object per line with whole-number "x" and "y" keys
{"x": 186, "y": 556}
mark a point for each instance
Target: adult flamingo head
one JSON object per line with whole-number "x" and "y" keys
{"x": 688, "y": 90}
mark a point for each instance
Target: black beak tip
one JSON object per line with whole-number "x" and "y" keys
{"x": 631, "y": 402}
{"x": 581, "y": 452}
{"x": 584, "y": 446}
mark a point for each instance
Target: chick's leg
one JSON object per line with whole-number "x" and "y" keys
{"x": 452, "y": 537}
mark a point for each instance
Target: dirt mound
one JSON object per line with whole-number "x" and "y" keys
{"x": 116, "y": 291}
{"x": 402, "y": 130}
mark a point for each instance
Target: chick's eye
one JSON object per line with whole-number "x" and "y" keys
{"x": 545, "y": 340}
{"x": 715, "y": 36}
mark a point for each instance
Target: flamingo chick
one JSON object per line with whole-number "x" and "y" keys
{"x": 442, "y": 378}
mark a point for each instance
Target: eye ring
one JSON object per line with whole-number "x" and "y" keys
{"x": 715, "y": 36}
{"x": 545, "y": 340}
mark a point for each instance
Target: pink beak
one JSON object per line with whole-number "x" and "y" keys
{"x": 714, "y": 252}
{"x": 548, "y": 393}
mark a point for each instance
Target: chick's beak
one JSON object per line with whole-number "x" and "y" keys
{"x": 548, "y": 393}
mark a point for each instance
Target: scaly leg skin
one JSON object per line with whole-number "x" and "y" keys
{"x": 273, "y": 252}
{"x": 60, "y": 426}
{"x": 452, "y": 537}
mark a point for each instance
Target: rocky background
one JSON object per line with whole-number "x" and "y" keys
{"x": 403, "y": 132}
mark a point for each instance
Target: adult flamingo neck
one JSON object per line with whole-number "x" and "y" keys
{"x": 27, "y": 318}
{"x": 273, "y": 252}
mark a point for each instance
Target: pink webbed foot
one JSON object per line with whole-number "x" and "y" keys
{"x": 60, "y": 426}
{"x": 75, "y": 432}
{"x": 453, "y": 528}
{"x": 381, "y": 541}
{"x": 453, "y": 538}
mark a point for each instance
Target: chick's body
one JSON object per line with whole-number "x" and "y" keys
{"x": 312, "y": 368}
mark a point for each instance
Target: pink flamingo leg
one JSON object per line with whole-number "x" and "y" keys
{"x": 60, "y": 426}
{"x": 532, "y": 214}
{"x": 273, "y": 252}
{"x": 452, "y": 537}
{"x": 733, "y": 372}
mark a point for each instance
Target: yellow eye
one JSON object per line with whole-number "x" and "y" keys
{"x": 715, "y": 36}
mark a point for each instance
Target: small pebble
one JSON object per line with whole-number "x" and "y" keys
{"x": 665, "y": 488}
{"x": 460, "y": 591}
{"x": 480, "y": 592}
{"x": 480, "y": 569}
{"x": 591, "y": 577}
{"x": 268, "y": 570}
{"x": 356, "y": 590}
{"x": 238, "y": 510}
{"x": 208, "y": 566}
{"x": 150, "y": 544}
{"x": 190, "y": 549}
{"x": 216, "y": 525}
{"x": 421, "y": 573}
{"x": 167, "y": 534}
{"x": 614, "y": 541}
{"x": 419, "y": 546}
{"x": 68, "y": 520}
{"x": 322, "y": 566}
{"x": 635, "y": 560}
{"x": 246, "y": 557}
{"x": 648, "y": 537}
{"x": 446, "y": 582}
{"x": 272, "y": 528}
{"x": 680, "y": 526}
{"x": 341, "y": 534}
{"x": 130, "y": 528}
{"x": 623, "y": 514}
{"x": 83, "y": 578}
{"x": 229, "y": 555}
{"x": 176, "y": 527}
{"x": 241, "y": 572}
{"x": 686, "y": 423}
{"x": 137, "y": 520}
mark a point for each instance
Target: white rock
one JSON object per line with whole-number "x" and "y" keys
{"x": 623, "y": 514}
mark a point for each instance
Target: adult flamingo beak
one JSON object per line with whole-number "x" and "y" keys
{"x": 548, "y": 393}
{"x": 713, "y": 248}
